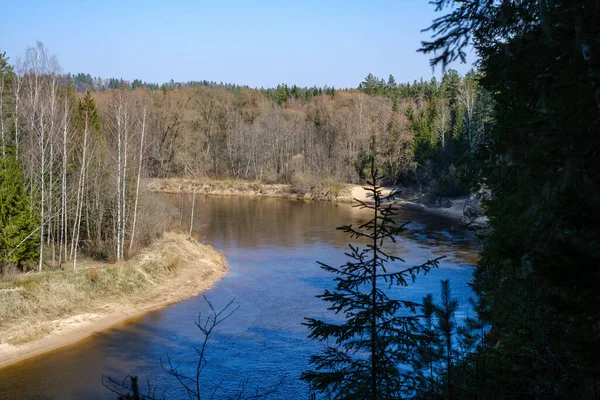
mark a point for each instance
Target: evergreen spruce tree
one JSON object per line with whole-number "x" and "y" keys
{"x": 18, "y": 244}
{"x": 447, "y": 364}
{"x": 446, "y": 324}
{"x": 367, "y": 353}
{"x": 426, "y": 363}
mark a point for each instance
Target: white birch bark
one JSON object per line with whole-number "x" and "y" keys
{"x": 63, "y": 191}
{"x": 80, "y": 187}
{"x": 17, "y": 93}
{"x": 2, "y": 115}
{"x": 119, "y": 118}
{"x": 50, "y": 197}
{"x": 466, "y": 96}
{"x": 139, "y": 174}
{"x": 124, "y": 181}
{"x": 41, "y": 142}
{"x": 192, "y": 212}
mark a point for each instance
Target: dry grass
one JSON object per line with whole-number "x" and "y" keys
{"x": 32, "y": 304}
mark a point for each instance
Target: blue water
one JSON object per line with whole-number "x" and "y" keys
{"x": 271, "y": 246}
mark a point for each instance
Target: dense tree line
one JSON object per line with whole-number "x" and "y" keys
{"x": 81, "y": 155}
{"x": 534, "y": 144}
{"x": 524, "y": 127}
{"x": 538, "y": 278}
{"x": 426, "y": 131}
{"x": 70, "y": 178}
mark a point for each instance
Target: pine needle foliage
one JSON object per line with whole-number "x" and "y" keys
{"x": 366, "y": 355}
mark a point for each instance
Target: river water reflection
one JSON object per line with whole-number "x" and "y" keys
{"x": 271, "y": 246}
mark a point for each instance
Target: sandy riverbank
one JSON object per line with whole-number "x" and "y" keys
{"x": 326, "y": 192}
{"x": 342, "y": 193}
{"x": 455, "y": 209}
{"x": 172, "y": 269}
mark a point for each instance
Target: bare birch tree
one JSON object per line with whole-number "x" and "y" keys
{"x": 65, "y": 124}
{"x": 53, "y": 89}
{"x": 142, "y": 122}
{"x": 80, "y": 189}
{"x": 443, "y": 121}
{"x": 467, "y": 94}
{"x": 18, "y": 83}
{"x": 122, "y": 122}
{"x": 2, "y": 80}
{"x": 37, "y": 69}
{"x": 124, "y": 181}
{"x": 192, "y": 212}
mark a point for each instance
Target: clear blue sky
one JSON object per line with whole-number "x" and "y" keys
{"x": 255, "y": 43}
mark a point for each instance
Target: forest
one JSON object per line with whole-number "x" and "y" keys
{"x": 523, "y": 127}
{"x": 77, "y": 158}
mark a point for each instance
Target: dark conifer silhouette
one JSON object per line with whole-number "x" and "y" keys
{"x": 366, "y": 354}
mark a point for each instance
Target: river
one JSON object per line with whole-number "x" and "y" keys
{"x": 271, "y": 246}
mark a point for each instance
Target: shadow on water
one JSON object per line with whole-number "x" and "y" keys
{"x": 271, "y": 246}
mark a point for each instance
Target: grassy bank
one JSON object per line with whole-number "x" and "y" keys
{"x": 36, "y": 305}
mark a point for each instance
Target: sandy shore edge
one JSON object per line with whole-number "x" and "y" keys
{"x": 345, "y": 193}
{"x": 188, "y": 283}
{"x": 323, "y": 192}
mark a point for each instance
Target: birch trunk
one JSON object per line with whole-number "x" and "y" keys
{"x": 42, "y": 139}
{"x": 63, "y": 195}
{"x": 49, "y": 239}
{"x": 192, "y": 213}
{"x": 2, "y": 116}
{"x": 124, "y": 190}
{"x": 80, "y": 187}
{"x": 16, "y": 116}
{"x": 118, "y": 222}
{"x": 139, "y": 174}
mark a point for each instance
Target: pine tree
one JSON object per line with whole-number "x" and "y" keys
{"x": 365, "y": 354}
{"x": 373, "y": 85}
{"x": 391, "y": 83}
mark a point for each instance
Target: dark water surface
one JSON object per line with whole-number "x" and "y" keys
{"x": 271, "y": 246}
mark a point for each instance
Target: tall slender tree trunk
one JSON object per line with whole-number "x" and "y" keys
{"x": 42, "y": 139}
{"x": 118, "y": 222}
{"x": 2, "y": 116}
{"x": 63, "y": 195}
{"x": 192, "y": 212}
{"x": 124, "y": 191}
{"x": 80, "y": 188}
{"x": 374, "y": 351}
{"x": 49, "y": 238}
{"x": 137, "y": 185}
{"x": 87, "y": 205}
{"x": 16, "y": 115}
